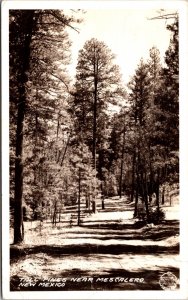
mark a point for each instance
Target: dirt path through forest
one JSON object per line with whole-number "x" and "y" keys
{"x": 107, "y": 245}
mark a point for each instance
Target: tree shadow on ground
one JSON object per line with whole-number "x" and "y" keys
{"x": 128, "y": 233}
{"x": 114, "y": 208}
{"x": 117, "y": 225}
{"x": 167, "y": 229}
{"x": 128, "y": 236}
{"x": 88, "y": 249}
{"x": 118, "y": 279}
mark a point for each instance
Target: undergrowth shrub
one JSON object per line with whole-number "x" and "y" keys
{"x": 156, "y": 215}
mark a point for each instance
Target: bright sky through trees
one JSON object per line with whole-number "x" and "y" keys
{"x": 128, "y": 32}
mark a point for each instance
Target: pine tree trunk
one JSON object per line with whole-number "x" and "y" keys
{"x": 137, "y": 162}
{"x": 87, "y": 200}
{"x": 157, "y": 202}
{"x": 150, "y": 187}
{"x": 133, "y": 178}
{"x": 55, "y": 213}
{"x": 163, "y": 197}
{"x": 94, "y": 117}
{"x": 65, "y": 150}
{"x": 94, "y": 207}
{"x": 145, "y": 196}
{"x": 146, "y": 206}
{"x": 122, "y": 162}
{"x": 79, "y": 195}
{"x": 95, "y": 123}
{"x": 58, "y": 125}
{"x": 24, "y": 67}
{"x": 103, "y": 207}
{"x": 157, "y": 197}
{"x": 146, "y": 199}
{"x": 136, "y": 198}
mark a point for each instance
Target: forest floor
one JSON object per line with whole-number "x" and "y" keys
{"x": 107, "y": 252}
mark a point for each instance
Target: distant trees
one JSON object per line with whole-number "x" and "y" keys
{"x": 119, "y": 151}
{"x": 84, "y": 175}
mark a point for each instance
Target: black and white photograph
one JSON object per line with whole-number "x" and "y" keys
{"x": 92, "y": 181}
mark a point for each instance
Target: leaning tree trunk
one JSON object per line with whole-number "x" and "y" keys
{"x": 24, "y": 59}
